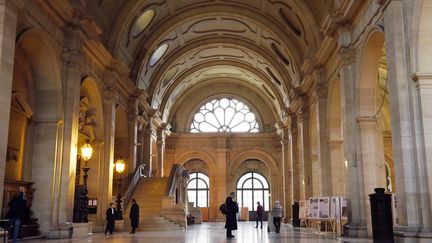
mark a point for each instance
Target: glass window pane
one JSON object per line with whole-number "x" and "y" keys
{"x": 258, "y": 197}
{"x": 248, "y": 184}
{"x": 192, "y": 184}
{"x": 242, "y": 179}
{"x": 192, "y": 196}
{"x": 224, "y": 115}
{"x": 257, "y": 184}
{"x": 239, "y": 198}
{"x": 202, "y": 199}
{"x": 247, "y": 199}
{"x": 204, "y": 177}
{"x": 201, "y": 184}
{"x": 262, "y": 179}
{"x": 266, "y": 200}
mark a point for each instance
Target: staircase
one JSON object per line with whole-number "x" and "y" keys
{"x": 148, "y": 195}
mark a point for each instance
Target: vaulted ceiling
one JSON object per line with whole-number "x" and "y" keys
{"x": 172, "y": 46}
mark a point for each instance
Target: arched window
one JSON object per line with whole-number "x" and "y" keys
{"x": 224, "y": 115}
{"x": 252, "y": 188}
{"x": 198, "y": 189}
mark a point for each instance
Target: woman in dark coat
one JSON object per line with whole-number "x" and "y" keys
{"x": 134, "y": 216}
{"x": 231, "y": 217}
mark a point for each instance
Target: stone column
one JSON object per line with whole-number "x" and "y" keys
{"x": 304, "y": 145}
{"x": 372, "y": 159}
{"x": 65, "y": 190}
{"x": 160, "y": 143}
{"x": 323, "y": 148}
{"x": 219, "y": 180}
{"x": 338, "y": 169}
{"x": 133, "y": 141}
{"x": 295, "y": 160}
{"x": 408, "y": 104}
{"x": 106, "y": 167}
{"x": 8, "y": 25}
{"x": 356, "y": 226}
{"x": 287, "y": 172}
{"x": 147, "y": 148}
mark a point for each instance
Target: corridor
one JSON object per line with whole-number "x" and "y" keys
{"x": 214, "y": 233}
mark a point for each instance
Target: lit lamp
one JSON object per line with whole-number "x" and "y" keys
{"x": 119, "y": 167}
{"x": 86, "y": 153}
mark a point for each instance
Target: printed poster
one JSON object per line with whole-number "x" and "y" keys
{"x": 313, "y": 208}
{"x": 324, "y": 207}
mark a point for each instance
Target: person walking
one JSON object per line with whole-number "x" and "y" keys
{"x": 231, "y": 211}
{"x": 110, "y": 218}
{"x": 17, "y": 212}
{"x": 259, "y": 214}
{"x": 277, "y": 214}
{"x": 134, "y": 216}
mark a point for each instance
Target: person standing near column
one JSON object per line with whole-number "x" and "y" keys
{"x": 259, "y": 214}
{"x": 110, "y": 218}
{"x": 231, "y": 219}
{"x": 134, "y": 216}
{"x": 17, "y": 212}
{"x": 277, "y": 214}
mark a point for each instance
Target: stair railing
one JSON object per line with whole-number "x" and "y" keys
{"x": 139, "y": 173}
{"x": 178, "y": 177}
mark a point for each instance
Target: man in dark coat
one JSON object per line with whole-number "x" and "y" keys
{"x": 17, "y": 212}
{"x": 110, "y": 218}
{"x": 134, "y": 216}
{"x": 231, "y": 219}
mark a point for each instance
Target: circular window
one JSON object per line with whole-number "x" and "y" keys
{"x": 142, "y": 22}
{"x": 158, "y": 54}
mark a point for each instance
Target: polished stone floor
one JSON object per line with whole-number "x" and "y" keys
{"x": 215, "y": 233}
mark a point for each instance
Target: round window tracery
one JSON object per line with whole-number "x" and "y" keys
{"x": 224, "y": 115}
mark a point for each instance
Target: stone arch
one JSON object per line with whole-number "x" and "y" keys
{"x": 46, "y": 126}
{"x": 368, "y": 74}
{"x": 266, "y": 158}
{"x": 196, "y": 154}
{"x": 89, "y": 87}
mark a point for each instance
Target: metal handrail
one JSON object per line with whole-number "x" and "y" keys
{"x": 139, "y": 173}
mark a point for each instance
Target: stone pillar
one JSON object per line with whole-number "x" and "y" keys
{"x": 323, "y": 148}
{"x": 106, "y": 167}
{"x": 338, "y": 169}
{"x": 295, "y": 160}
{"x": 408, "y": 104}
{"x": 356, "y": 226}
{"x": 304, "y": 145}
{"x": 160, "y": 143}
{"x": 287, "y": 172}
{"x": 219, "y": 180}
{"x": 8, "y": 25}
{"x": 372, "y": 159}
{"x": 147, "y": 148}
{"x": 65, "y": 190}
{"x": 133, "y": 141}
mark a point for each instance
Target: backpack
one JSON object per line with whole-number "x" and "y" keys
{"x": 223, "y": 209}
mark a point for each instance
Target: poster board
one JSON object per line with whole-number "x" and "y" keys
{"x": 344, "y": 208}
{"x": 313, "y": 208}
{"x": 303, "y": 209}
{"x": 323, "y": 207}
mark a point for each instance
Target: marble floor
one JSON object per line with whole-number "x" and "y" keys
{"x": 215, "y": 233}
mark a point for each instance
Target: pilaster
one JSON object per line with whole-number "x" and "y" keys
{"x": 8, "y": 26}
